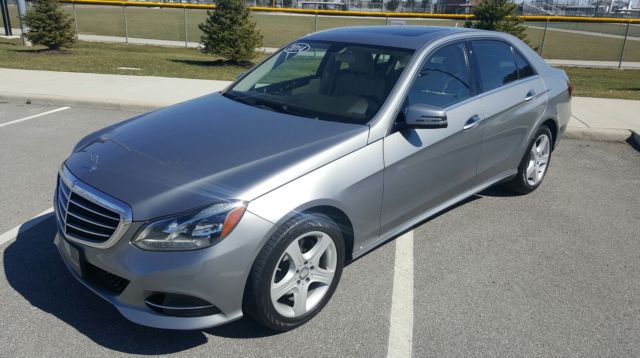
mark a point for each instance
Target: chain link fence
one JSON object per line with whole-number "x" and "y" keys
{"x": 562, "y": 40}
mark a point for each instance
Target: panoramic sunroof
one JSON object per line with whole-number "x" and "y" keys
{"x": 409, "y": 31}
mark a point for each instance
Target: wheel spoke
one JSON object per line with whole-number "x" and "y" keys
{"x": 322, "y": 276}
{"x": 543, "y": 159}
{"x": 318, "y": 249}
{"x": 300, "y": 300}
{"x": 285, "y": 286}
{"x": 544, "y": 141}
{"x": 294, "y": 253}
{"x": 538, "y": 173}
{"x": 531, "y": 170}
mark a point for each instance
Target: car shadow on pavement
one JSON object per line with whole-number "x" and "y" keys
{"x": 498, "y": 191}
{"x": 34, "y": 269}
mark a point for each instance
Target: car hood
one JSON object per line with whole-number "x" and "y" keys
{"x": 206, "y": 150}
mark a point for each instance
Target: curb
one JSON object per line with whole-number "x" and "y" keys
{"x": 601, "y": 134}
{"x": 81, "y": 102}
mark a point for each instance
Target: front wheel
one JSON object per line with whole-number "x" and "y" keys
{"x": 296, "y": 272}
{"x": 534, "y": 164}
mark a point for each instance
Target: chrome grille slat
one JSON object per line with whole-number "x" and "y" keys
{"x": 87, "y": 230}
{"x": 87, "y": 216}
{"x": 93, "y": 222}
{"x": 91, "y": 210}
{"x": 64, "y": 189}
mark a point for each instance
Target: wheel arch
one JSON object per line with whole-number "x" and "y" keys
{"x": 344, "y": 224}
{"x": 330, "y": 209}
{"x": 553, "y": 127}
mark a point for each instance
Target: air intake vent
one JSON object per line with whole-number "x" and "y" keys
{"x": 104, "y": 279}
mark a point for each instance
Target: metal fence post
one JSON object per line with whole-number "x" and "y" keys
{"x": 22, "y": 9}
{"x": 126, "y": 28}
{"x": 624, "y": 44}
{"x": 315, "y": 22}
{"x": 75, "y": 19}
{"x": 186, "y": 31}
{"x": 4, "y": 8}
{"x": 544, "y": 36}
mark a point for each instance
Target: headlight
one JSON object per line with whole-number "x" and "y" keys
{"x": 192, "y": 231}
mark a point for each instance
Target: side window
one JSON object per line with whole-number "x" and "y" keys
{"x": 524, "y": 67}
{"x": 443, "y": 79}
{"x": 496, "y": 64}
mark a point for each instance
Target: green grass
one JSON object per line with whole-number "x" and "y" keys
{"x": 188, "y": 63}
{"x": 94, "y": 57}
{"x": 605, "y": 83}
{"x": 279, "y": 29}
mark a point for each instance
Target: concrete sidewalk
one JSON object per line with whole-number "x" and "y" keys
{"x": 593, "y": 118}
{"x": 110, "y": 91}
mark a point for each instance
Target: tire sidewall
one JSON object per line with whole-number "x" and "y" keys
{"x": 302, "y": 225}
{"x": 522, "y": 172}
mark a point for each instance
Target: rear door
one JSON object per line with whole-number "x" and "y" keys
{"x": 513, "y": 98}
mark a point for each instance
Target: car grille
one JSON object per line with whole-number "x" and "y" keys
{"x": 87, "y": 216}
{"x": 83, "y": 219}
{"x": 104, "y": 279}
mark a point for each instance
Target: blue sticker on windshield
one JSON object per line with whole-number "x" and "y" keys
{"x": 297, "y": 47}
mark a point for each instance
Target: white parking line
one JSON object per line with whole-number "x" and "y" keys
{"x": 401, "y": 329}
{"x": 11, "y": 234}
{"x": 34, "y": 116}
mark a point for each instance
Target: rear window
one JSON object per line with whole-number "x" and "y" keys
{"x": 524, "y": 67}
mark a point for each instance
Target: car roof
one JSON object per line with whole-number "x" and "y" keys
{"x": 410, "y": 37}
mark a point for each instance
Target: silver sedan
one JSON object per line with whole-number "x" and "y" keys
{"x": 251, "y": 201}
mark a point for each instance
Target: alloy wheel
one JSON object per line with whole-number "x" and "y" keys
{"x": 538, "y": 160}
{"x": 303, "y": 274}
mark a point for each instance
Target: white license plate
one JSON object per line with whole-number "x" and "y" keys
{"x": 73, "y": 256}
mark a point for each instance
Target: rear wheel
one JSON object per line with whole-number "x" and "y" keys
{"x": 534, "y": 164}
{"x": 296, "y": 272}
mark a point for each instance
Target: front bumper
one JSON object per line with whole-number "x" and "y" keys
{"x": 216, "y": 274}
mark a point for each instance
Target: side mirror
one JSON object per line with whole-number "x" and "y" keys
{"x": 240, "y": 75}
{"x": 421, "y": 115}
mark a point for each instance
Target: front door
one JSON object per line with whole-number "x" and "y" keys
{"x": 426, "y": 167}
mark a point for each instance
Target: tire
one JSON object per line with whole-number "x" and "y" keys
{"x": 523, "y": 182}
{"x": 275, "y": 270}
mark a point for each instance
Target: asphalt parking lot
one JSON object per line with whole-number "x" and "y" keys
{"x": 554, "y": 273}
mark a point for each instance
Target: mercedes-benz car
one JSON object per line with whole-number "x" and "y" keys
{"x": 251, "y": 201}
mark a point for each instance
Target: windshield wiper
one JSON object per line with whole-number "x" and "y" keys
{"x": 272, "y": 106}
{"x": 298, "y": 112}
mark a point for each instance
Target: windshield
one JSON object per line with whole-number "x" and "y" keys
{"x": 324, "y": 80}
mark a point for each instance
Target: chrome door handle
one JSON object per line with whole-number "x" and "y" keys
{"x": 472, "y": 122}
{"x": 530, "y": 95}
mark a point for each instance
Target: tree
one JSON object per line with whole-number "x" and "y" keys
{"x": 426, "y": 4}
{"x": 228, "y": 32}
{"x": 49, "y": 25}
{"x": 392, "y": 5}
{"x": 498, "y": 15}
{"x": 411, "y": 4}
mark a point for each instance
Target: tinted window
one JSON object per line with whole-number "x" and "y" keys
{"x": 496, "y": 64}
{"x": 443, "y": 79}
{"x": 524, "y": 67}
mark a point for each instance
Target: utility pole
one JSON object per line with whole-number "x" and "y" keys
{"x": 22, "y": 9}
